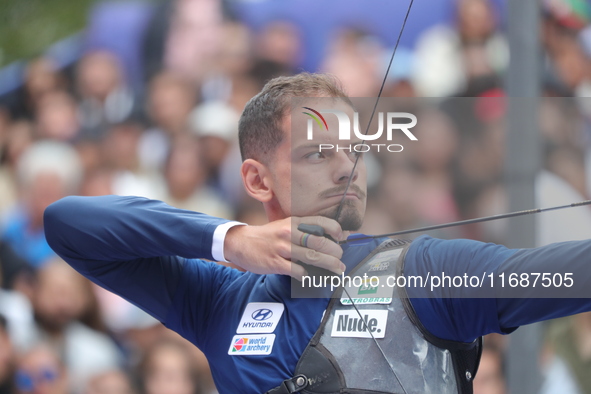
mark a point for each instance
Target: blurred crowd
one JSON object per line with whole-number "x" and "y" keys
{"x": 91, "y": 129}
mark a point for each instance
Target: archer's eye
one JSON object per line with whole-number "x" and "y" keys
{"x": 354, "y": 155}
{"x": 315, "y": 156}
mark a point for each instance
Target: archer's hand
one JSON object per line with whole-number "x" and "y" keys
{"x": 272, "y": 248}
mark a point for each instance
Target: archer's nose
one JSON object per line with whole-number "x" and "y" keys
{"x": 344, "y": 163}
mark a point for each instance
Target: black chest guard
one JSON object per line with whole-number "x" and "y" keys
{"x": 343, "y": 358}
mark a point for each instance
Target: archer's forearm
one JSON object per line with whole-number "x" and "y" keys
{"x": 114, "y": 228}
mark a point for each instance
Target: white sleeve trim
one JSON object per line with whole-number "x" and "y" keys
{"x": 219, "y": 235}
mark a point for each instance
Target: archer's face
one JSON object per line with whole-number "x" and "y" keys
{"x": 310, "y": 182}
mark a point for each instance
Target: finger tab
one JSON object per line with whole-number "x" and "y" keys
{"x": 311, "y": 229}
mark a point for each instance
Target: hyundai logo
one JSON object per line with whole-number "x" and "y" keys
{"x": 262, "y": 314}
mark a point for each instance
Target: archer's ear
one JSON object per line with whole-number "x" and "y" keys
{"x": 257, "y": 180}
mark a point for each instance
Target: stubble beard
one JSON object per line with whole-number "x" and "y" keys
{"x": 350, "y": 218}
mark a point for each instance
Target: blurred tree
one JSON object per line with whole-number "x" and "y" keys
{"x": 27, "y": 27}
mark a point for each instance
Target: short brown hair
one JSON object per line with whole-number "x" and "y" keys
{"x": 259, "y": 129}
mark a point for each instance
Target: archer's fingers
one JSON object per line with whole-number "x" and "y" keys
{"x": 297, "y": 271}
{"x": 317, "y": 259}
{"x": 320, "y": 244}
{"x": 330, "y": 226}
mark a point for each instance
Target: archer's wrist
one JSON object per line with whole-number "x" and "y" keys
{"x": 219, "y": 247}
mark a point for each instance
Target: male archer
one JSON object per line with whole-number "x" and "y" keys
{"x": 256, "y": 336}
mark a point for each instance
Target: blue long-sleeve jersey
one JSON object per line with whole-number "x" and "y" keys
{"x": 151, "y": 254}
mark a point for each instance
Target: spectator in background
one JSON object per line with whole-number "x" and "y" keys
{"x": 568, "y": 342}
{"x": 98, "y": 182}
{"x": 571, "y": 66}
{"x": 5, "y": 120}
{"x": 41, "y": 76}
{"x": 184, "y": 37}
{"x": 215, "y": 124}
{"x": 18, "y": 136}
{"x": 568, "y": 356}
{"x": 110, "y": 382}
{"x": 566, "y": 46}
{"x": 562, "y": 125}
{"x": 57, "y": 116}
{"x": 280, "y": 42}
{"x": 14, "y": 137}
{"x": 61, "y": 298}
{"x": 238, "y": 74}
{"x": 16, "y": 315}
{"x": 7, "y": 359}
{"x": 448, "y": 59}
{"x": 488, "y": 199}
{"x": 233, "y": 61}
{"x": 355, "y": 58}
{"x": 480, "y": 166}
{"x": 40, "y": 371}
{"x": 491, "y": 376}
{"x": 193, "y": 39}
{"x": 46, "y": 172}
{"x": 120, "y": 155}
{"x": 171, "y": 100}
{"x": 169, "y": 368}
{"x": 105, "y": 98}
{"x": 185, "y": 174}
{"x": 433, "y": 158}
{"x": 395, "y": 196}
{"x": 568, "y": 163}
{"x": 90, "y": 155}
{"x": 399, "y": 81}
{"x": 15, "y": 272}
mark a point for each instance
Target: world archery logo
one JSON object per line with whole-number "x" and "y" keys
{"x": 245, "y": 345}
{"x": 239, "y": 345}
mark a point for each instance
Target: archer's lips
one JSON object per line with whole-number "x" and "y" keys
{"x": 348, "y": 196}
